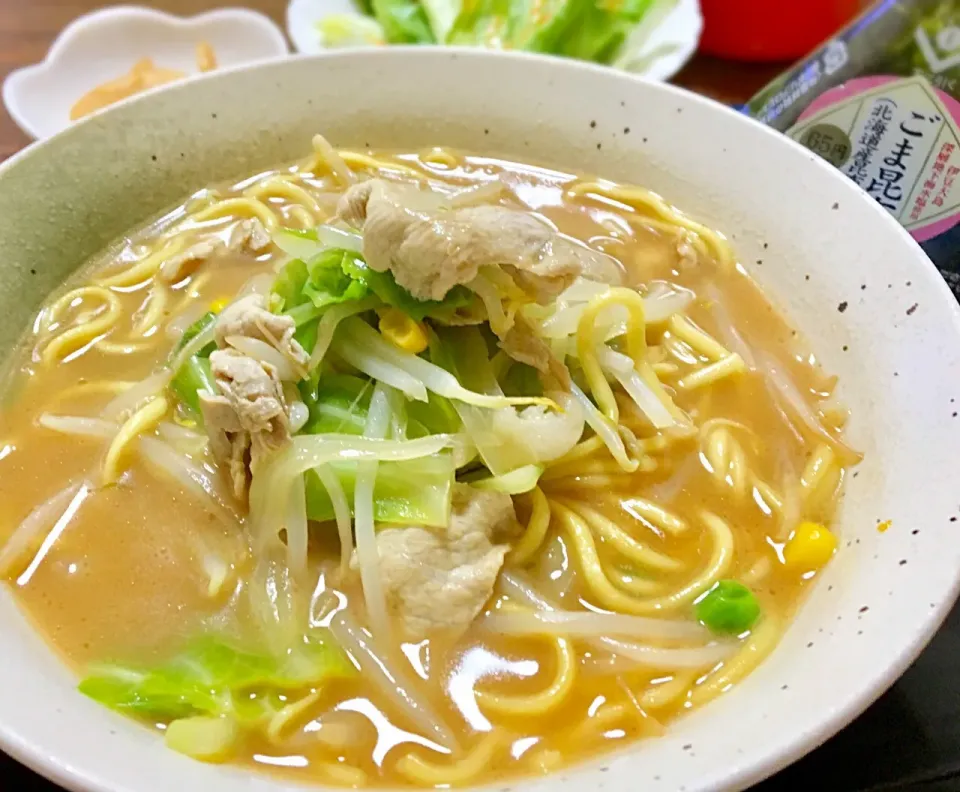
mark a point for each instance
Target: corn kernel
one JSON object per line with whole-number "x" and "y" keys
{"x": 218, "y": 305}
{"x": 810, "y": 547}
{"x": 402, "y": 331}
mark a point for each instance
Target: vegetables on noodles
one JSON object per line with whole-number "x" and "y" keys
{"x": 366, "y": 461}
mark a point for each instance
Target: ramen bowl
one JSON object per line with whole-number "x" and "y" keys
{"x": 843, "y": 272}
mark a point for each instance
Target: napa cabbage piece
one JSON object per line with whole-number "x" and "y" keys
{"x": 320, "y": 275}
{"x": 213, "y": 676}
{"x": 413, "y": 492}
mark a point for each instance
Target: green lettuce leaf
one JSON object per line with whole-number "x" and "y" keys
{"x": 349, "y": 30}
{"x": 403, "y": 21}
{"x": 585, "y": 29}
{"x": 601, "y": 30}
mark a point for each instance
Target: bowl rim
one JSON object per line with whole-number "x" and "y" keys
{"x": 759, "y": 765}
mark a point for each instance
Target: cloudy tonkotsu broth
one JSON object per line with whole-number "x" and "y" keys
{"x": 554, "y": 557}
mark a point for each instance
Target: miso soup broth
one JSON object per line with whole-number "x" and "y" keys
{"x": 416, "y": 468}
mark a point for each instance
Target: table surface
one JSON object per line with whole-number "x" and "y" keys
{"x": 909, "y": 739}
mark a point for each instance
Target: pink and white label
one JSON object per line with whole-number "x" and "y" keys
{"x": 899, "y": 139}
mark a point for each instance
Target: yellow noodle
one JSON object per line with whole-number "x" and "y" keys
{"x": 289, "y": 715}
{"x": 679, "y": 350}
{"x": 665, "y": 370}
{"x": 601, "y": 482}
{"x": 303, "y": 218}
{"x": 696, "y": 339}
{"x": 630, "y": 583}
{"x": 713, "y": 372}
{"x": 359, "y": 161}
{"x": 282, "y": 187}
{"x": 665, "y": 693}
{"x": 240, "y": 207}
{"x": 440, "y": 156}
{"x": 759, "y": 571}
{"x": 543, "y": 701}
{"x": 192, "y": 291}
{"x": 769, "y": 495}
{"x": 74, "y": 338}
{"x": 427, "y": 773}
{"x": 757, "y": 646}
{"x": 340, "y": 774}
{"x": 544, "y": 760}
{"x": 608, "y": 596}
{"x": 682, "y": 234}
{"x": 728, "y": 462}
{"x": 524, "y": 550}
{"x": 593, "y": 727}
{"x": 653, "y": 513}
{"x": 589, "y": 468}
{"x": 156, "y": 303}
{"x": 638, "y": 197}
{"x": 202, "y": 200}
{"x": 820, "y": 477}
{"x": 147, "y": 267}
{"x": 142, "y": 420}
{"x": 618, "y": 539}
{"x": 126, "y": 348}
{"x": 98, "y": 386}
{"x": 580, "y": 451}
{"x": 587, "y": 340}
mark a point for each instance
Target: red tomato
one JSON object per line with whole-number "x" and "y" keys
{"x": 771, "y": 30}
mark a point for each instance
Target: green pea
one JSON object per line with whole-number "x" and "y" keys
{"x": 729, "y": 608}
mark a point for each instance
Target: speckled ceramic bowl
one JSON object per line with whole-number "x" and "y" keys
{"x": 872, "y": 305}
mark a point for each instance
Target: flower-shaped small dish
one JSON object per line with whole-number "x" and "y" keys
{"x": 667, "y": 39}
{"x": 105, "y": 45}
